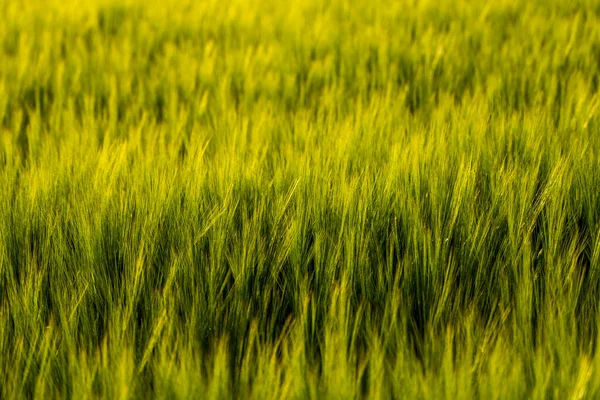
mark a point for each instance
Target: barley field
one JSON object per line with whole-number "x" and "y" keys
{"x": 301, "y": 199}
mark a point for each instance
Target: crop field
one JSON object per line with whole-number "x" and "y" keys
{"x": 303, "y": 199}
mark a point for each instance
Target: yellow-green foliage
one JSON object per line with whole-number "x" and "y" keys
{"x": 299, "y": 199}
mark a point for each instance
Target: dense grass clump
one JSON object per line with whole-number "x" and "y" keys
{"x": 300, "y": 199}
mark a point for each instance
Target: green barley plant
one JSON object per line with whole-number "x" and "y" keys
{"x": 334, "y": 199}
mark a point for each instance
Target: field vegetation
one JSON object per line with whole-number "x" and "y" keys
{"x": 299, "y": 199}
